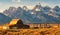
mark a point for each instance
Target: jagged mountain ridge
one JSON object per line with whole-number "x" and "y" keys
{"x": 38, "y": 14}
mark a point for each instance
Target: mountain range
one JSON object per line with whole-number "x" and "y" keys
{"x": 38, "y": 14}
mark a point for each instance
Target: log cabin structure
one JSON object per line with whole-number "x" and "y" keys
{"x": 17, "y": 23}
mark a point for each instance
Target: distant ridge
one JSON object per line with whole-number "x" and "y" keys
{"x": 4, "y": 19}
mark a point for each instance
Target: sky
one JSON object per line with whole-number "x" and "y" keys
{"x": 5, "y": 4}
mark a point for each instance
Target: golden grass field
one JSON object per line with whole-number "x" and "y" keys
{"x": 53, "y": 30}
{"x": 34, "y": 29}
{"x": 40, "y": 31}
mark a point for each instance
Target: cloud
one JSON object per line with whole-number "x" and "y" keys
{"x": 6, "y": 6}
{"x": 30, "y": 7}
{"x": 16, "y": 0}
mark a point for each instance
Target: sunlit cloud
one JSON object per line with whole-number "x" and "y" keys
{"x": 30, "y": 7}
{"x": 6, "y": 6}
{"x": 16, "y": 0}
